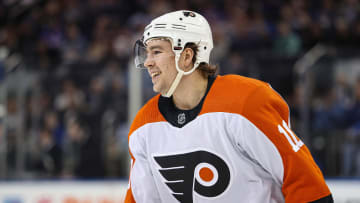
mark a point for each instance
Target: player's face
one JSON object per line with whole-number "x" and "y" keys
{"x": 160, "y": 63}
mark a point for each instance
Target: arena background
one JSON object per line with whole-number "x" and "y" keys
{"x": 68, "y": 88}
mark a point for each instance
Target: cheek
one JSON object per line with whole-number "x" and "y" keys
{"x": 169, "y": 68}
{"x": 172, "y": 71}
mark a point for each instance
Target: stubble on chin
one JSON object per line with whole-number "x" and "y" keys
{"x": 156, "y": 88}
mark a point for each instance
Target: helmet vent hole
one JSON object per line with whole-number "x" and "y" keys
{"x": 148, "y": 33}
{"x": 204, "y": 48}
{"x": 180, "y": 19}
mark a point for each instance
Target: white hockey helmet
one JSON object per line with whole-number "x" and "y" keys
{"x": 181, "y": 27}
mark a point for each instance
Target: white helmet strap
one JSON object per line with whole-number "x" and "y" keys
{"x": 174, "y": 84}
{"x": 179, "y": 75}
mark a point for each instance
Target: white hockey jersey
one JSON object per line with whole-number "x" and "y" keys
{"x": 239, "y": 148}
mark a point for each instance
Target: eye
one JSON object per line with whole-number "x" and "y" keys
{"x": 156, "y": 52}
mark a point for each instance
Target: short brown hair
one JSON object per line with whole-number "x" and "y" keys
{"x": 205, "y": 68}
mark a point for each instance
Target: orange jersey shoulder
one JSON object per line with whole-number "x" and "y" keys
{"x": 149, "y": 113}
{"x": 230, "y": 93}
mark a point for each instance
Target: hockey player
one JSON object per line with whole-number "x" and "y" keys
{"x": 206, "y": 138}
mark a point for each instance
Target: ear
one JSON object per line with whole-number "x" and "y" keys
{"x": 187, "y": 58}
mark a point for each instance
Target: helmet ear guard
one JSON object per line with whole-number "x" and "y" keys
{"x": 181, "y": 27}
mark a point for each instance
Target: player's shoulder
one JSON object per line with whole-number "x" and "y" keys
{"x": 245, "y": 87}
{"x": 234, "y": 82}
{"x": 240, "y": 88}
{"x": 149, "y": 113}
{"x": 232, "y": 93}
{"x": 254, "y": 97}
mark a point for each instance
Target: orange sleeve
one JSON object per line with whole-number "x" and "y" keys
{"x": 302, "y": 180}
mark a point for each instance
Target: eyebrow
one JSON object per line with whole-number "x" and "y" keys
{"x": 156, "y": 47}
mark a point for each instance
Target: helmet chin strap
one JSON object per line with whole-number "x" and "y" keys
{"x": 178, "y": 77}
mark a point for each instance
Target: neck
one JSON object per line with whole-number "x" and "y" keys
{"x": 190, "y": 91}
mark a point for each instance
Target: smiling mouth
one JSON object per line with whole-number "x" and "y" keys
{"x": 155, "y": 74}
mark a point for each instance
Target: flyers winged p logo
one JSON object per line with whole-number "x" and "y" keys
{"x": 202, "y": 172}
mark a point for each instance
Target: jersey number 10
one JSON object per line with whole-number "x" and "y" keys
{"x": 292, "y": 139}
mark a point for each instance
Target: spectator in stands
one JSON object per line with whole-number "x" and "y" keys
{"x": 328, "y": 112}
{"x": 287, "y": 43}
{"x": 74, "y": 44}
{"x": 76, "y": 137}
{"x": 70, "y": 99}
{"x": 54, "y": 127}
{"x": 48, "y": 163}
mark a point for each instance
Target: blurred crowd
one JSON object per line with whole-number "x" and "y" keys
{"x": 335, "y": 124}
{"x": 75, "y": 54}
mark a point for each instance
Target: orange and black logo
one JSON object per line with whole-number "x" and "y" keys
{"x": 202, "y": 172}
{"x": 189, "y": 13}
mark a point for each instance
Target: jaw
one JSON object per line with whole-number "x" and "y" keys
{"x": 155, "y": 88}
{"x": 160, "y": 86}
{"x": 157, "y": 85}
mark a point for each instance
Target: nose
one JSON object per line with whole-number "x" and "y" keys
{"x": 149, "y": 62}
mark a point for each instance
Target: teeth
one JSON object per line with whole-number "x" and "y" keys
{"x": 155, "y": 74}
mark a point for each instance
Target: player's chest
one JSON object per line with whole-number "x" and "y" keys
{"x": 200, "y": 160}
{"x": 209, "y": 132}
